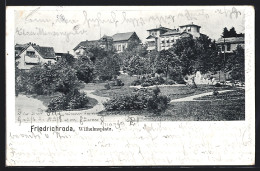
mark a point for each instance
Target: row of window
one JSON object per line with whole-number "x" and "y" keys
{"x": 167, "y": 41}
{"x": 228, "y": 47}
{"x": 119, "y": 47}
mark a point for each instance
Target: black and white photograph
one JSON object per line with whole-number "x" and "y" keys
{"x": 110, "y": 75}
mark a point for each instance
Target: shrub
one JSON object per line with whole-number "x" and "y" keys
{"x": 119, "y": 82}
{"x": 136, "y": 82}
{"x": 170, "y": 82}
{"x": 107, "y": 86}
{"x": 217, "y": 85}
{"x": 148, "y": 81}
{"x": 146, "y": 84}
{"x": 142, "y": 99}
{"x": 72, "y": 100}
{"x": 215, "y": 93}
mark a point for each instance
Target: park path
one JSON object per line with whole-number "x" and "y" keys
{"x": 191, "y": 98}
{"x": 99, "y": 106}
{"x": 29, "y": 104}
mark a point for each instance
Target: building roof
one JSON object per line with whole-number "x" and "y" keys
{"x": 45, "y": 52}
{"x": 159, "y": 28}
{"x": 122, "y": 36}
{"x": 231, "y": 40}
{"x": 188, "y": 25}
{"x": 85, "y": 44}
{"x": 172, "y": 32}
{"x": 150, "y": 37}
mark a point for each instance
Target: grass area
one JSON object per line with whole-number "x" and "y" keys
{"x": 225, "y": 106}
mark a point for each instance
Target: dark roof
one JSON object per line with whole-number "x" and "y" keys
{"x": 86, "y": 43}
{"x": 21, "y": 47}
{"x": 122, "y": 36}
{"x": 231, "y": 40}
{"x": 106, "y": 37}
{"x": 172, "y": 32}
{"x": 45, "y": 52}
{"x": 160, "y": 28}
{"x": 187, "y": 25}
{"x": 150, "y": 36}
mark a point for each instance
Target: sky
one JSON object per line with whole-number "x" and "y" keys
{"x": 64, "y": 27}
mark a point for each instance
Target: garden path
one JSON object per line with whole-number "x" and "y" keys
{"x": 99, "y": 106}
{"x": 191, "y": 98}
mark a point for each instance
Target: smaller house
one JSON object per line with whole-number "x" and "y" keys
{"x": 228, "y": 45}
{"x": 30, "y": 54}
{"x": 82, "y": 46}
{"x": 121, "y": 40}
{"x": 60, "y": 55}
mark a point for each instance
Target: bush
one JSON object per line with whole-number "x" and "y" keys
{"x": 147, "y": 81}
{"x": 107, "y": 86}
{"x": 215, "y": 93}
{"x": 72, "y": 100}
{"x": 146, "y": 84}
{"x": 142, "y": 99}
{"x": 170, "y": 82}
{"x": 136, "y": 82}
{"x": 119, "y": 82}
{"x": 217, "y": 85}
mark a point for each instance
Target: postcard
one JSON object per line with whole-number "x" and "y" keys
{"x": 130, "y": 85}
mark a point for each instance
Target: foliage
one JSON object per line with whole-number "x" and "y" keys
{"x": 138, "y": 101}
{"x": 235, "y": 63}
{"x": 230, "y": 33}
{"x": 72, "y": 100}
{"x": 157, "y": 103}
{"x": 148, "y": 81}
{"x": 107, "y": 67}
{"x": 85, "y": 69}
{"x": 107, "y": 86}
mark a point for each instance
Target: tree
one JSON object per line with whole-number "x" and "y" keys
{"x": 235, "y": 63}
{"x": 193, "y": 55}
{"x": 225, "y": 33}
{"x": 85, "y": 69}
{"x": 107, "y": 67}
{"x": 164, "y": 61}
{"x": 232, "y": 32}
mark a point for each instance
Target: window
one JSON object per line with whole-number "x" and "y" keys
{"x": 119, "y": 48}
{"x": 223, "y": 48}
{"x": 123, "y": 47}
{"x": 163, "y": 41}
{"x": 49, "y": 62}
{"x": 228, "y": 47}
{"x": 168, "y": 41}
{"x": 172, "y": 40}
{"x": 30, "y": 53}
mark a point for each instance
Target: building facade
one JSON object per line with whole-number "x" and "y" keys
{"x": 29, "y": 55}
{"x": 163, "y": 38}
{"x": 228, "y": 45}
{"x": 119, "y": 41}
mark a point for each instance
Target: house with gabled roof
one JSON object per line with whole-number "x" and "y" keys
{"x": 121, "y": 40}
{"x": 30, "y": 54}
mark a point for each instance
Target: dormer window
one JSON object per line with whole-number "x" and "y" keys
{"x": 30, "y": 53}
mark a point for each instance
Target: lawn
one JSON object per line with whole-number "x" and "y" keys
{"x": 214, "y": 108}
{"x": 173, "y": 92}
